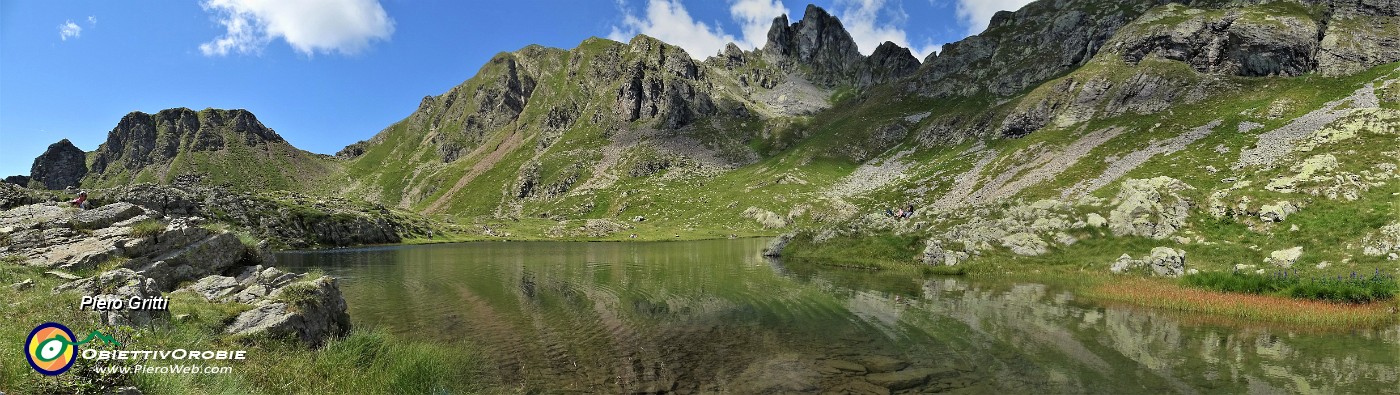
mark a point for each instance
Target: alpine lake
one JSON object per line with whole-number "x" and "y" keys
{"x": 716, "y": 316}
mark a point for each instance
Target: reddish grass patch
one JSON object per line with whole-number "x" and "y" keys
{"x": 1166, "y": 295}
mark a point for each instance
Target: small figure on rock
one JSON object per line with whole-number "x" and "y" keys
{"x": 81, "y": 201}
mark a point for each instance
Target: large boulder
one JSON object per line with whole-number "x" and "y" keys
{"x": 1151, "y": 207}
{"x": 309, "y": 311}
{"x": 1167, "y": 262}
{"x": 1285, "y": 258}
{"x": 61, "y": 166}
{"x": 1162, "y": 261}
{"x": 1277, "y": 212}
{"x": 105, "y": 216}
{"x": 1027, "y": 244}
{"x": 123, "y": 285}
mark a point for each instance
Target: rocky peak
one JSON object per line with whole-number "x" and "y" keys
{"x": 819, "y": 41}
{"x": 889, "y": 61}
{"x": 61, "y": 165}
{"x": 142, "y": 139}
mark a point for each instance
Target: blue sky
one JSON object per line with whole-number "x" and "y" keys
{"x": 327, "y": 73}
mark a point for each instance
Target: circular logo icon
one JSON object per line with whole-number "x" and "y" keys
{"x": 50, "y": 349}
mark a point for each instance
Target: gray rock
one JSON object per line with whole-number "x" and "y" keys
{"x": 1277, "y": 212}
{"x": 312, "y": 318}
{"x": 1162, "y": 261}
{"x": 1027, "y": 244}
{"x": 1150, "y": 208}
{"x": 933, "y": 253}
{"x": 62, "y": 165}
{"x": 1386, "y": 241}
{"x": 214, "y": 288}
{"x": 1167, "y": 262}
{"x": 1124, "y": 264}
{"x": 23, "y": 285}
{"x": 120, "y": 284}
{"x": 105, "y": 216}
{"x": 1096, "y": 220}
{"x": 1285, "y": 258}
{"x": 776, "y": 246}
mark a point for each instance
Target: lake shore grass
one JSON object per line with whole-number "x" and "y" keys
{"x": 1170, "y": 295}
{"x": 367, "y": 361}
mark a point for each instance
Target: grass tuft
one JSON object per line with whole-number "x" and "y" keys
{"x": 147, "y": 228}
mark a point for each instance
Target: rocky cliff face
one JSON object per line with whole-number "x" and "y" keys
{"x": 820, "y": 46}
{"x": 61, "y": 166}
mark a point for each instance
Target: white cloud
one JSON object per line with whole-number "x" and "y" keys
{"x": 863, "y": 19}
{"x": 92, "y": 20}
{"x": 668, "y": 21}
{"x": 69, "y": 30}
{"x": 977, "y": 14}
{"x": 870, "y": 22}
{"x": 755, "y": 17}
{"x": 309, "y": 26}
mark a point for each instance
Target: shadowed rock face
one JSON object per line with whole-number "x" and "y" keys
{"x": 61, "y": 165}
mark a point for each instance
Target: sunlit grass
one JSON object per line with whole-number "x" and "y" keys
{"x": 1165, "y": 295}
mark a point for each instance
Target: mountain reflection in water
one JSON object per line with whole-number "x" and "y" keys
{"x": 715, "y": 316}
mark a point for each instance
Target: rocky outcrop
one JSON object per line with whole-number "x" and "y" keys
{"x": 61, "y": 166}
{"x": 775, "y": 247}
{"x": 1152, "y": 208}
{"x": 1384, "y": 242}
{"x": 286, "y": 218}
{"x": 105, "y": 216}
{"x": 1246, "y": 42}
{"x": 1162, "y": 261}
{"x": 14, "y": 195}
{"x": 124, "y": 285}
{"x": 145, "y": 146}
{"x": 310, "y": 311}
{"x": 142, "y": 266}
{"x": 818, "y": 41}
{"x": 1024, "y": 48}
{"x": 662, "y": 84}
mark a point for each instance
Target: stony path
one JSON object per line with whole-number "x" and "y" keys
{"x": 1120, "y": 166}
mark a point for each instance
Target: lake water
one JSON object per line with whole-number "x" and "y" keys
{"x": 711, "y": 316}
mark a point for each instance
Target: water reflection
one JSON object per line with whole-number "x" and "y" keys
{"x": 714, "y": 316}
